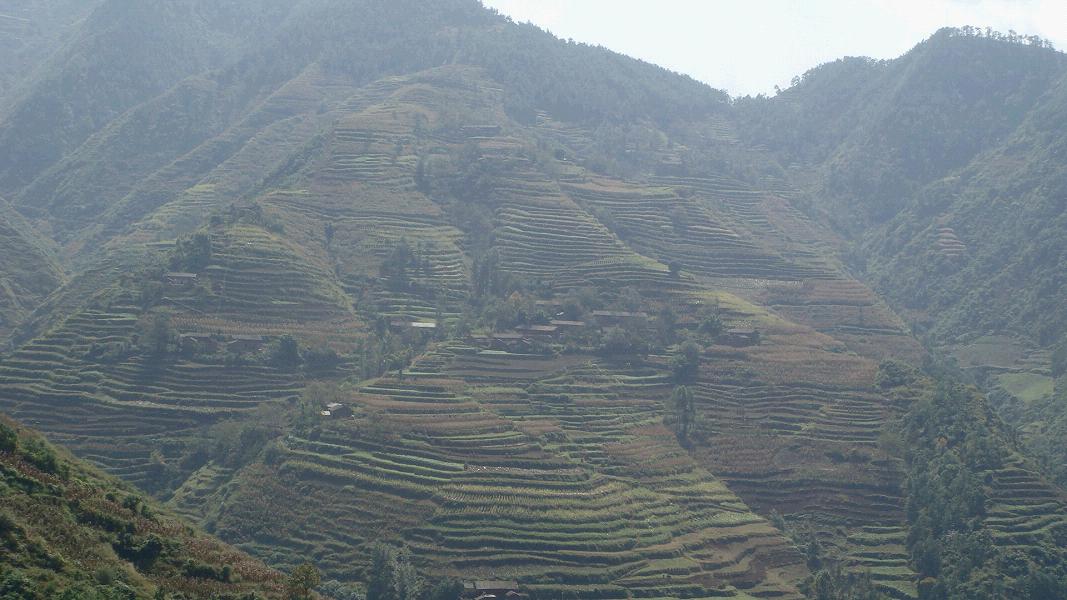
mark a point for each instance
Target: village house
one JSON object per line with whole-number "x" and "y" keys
{"x": 204, "y": 342}
{"x": 508, "y": 341}
{"x": 491, "y": 590}
{"x": 739, "y": 337}
{"x": 400, "y": 325}
{"x": 177, "y": 279}
{"x": 538, "y": 330}
{"x": 605, "y": 318}
{"x": 567, "y": 325}
{"x": 337, "y": 410}
{"x": 241, "y": 344}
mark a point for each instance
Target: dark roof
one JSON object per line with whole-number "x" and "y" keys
{"x": 180, "y": 275}
{"x": 506, "y": 336}
{"x": 248, "y": 338}
{"x": 496, "y": 585}
{"x": 559, "y": 323}
{"x": 620, "y": 313}
{"x": 414, "y": 324}
{"x": 538, "y": 328}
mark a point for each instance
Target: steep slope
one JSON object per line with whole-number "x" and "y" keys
{"x": 28, "y": 272}
{"x": 29, "y": 34}
{"x": 67, "y": 531}
{"x": 943, "y": 170}
{"x": 875, "y": 133}
{"x": 141, "y": 51}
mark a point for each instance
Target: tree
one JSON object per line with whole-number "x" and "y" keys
{"x": 395, "y": 267}
{"x": 9, "y": 439}
{"x": 685, "y": 364}
{"x": 675, "y": 269}
{"x": 712, "y": 325}
{"x": 156, "y": 335}
{"x": 666, "y": 323}
{"x": 328, "y": 230}
{"x": 302, "y": 580}
{"x": 684, "y": 412}
{"x": 286, "y": 352}
{"x": 192, "y": 254}
{"x": 380, "y": 584}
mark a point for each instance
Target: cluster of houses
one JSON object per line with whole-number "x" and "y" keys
{"x": 213, "y": 342}
{"x": 525, "y": 335}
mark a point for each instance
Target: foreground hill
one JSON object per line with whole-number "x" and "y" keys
{"x": 68, "y": 531}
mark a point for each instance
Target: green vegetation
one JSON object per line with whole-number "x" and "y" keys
{"x": 66, "y": 531}
{"x": 981, "y": 525}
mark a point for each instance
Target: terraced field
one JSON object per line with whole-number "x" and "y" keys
{"x": 125, "y": 414}
{"x": 1024, "y": 509}
{"x": 794, "y": 429}
{"x": 556, "y": 470}
{"x": 546, "y": 481}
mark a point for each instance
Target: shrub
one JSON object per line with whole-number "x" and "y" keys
{"x": 321, "y": 359}
{"x": 41, "y": 455}
{"x": 302, "y": 580}
{"x": 9, "y": 439}
{"x": 7, "y": 525}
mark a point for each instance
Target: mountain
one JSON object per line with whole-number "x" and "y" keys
{"x": 30, "y": 34}
{"x": 406, "y": 274}
{"x": 943, "y": 170}
{"x": 68, "y": 531}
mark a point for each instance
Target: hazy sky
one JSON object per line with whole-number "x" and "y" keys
{"x": 749, "y": 46}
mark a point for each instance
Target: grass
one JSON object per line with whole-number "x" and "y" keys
{"x": 1028, "y": 387}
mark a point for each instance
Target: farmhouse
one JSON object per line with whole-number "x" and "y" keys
{"x": 499, "y": 340}
{"x": 740, "y": 337}
{"x": 336, "y": 409}
{"x": 486, "y": 590}
{"x": 538, "y": 330}
{"x": 570, "y": 325}
{"x": 204, "y": 342}
{"x": 399, "y": 325}
{"x": 618, "y": 317}
{"x": 241, "y": 344}
{"x": 176, "y": 279}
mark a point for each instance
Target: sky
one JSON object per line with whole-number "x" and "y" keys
{"x": 750, "y": 46}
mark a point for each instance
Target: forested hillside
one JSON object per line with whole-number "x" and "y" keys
{"x": 943, "y": 170}
{"x": 398, "y": 288}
